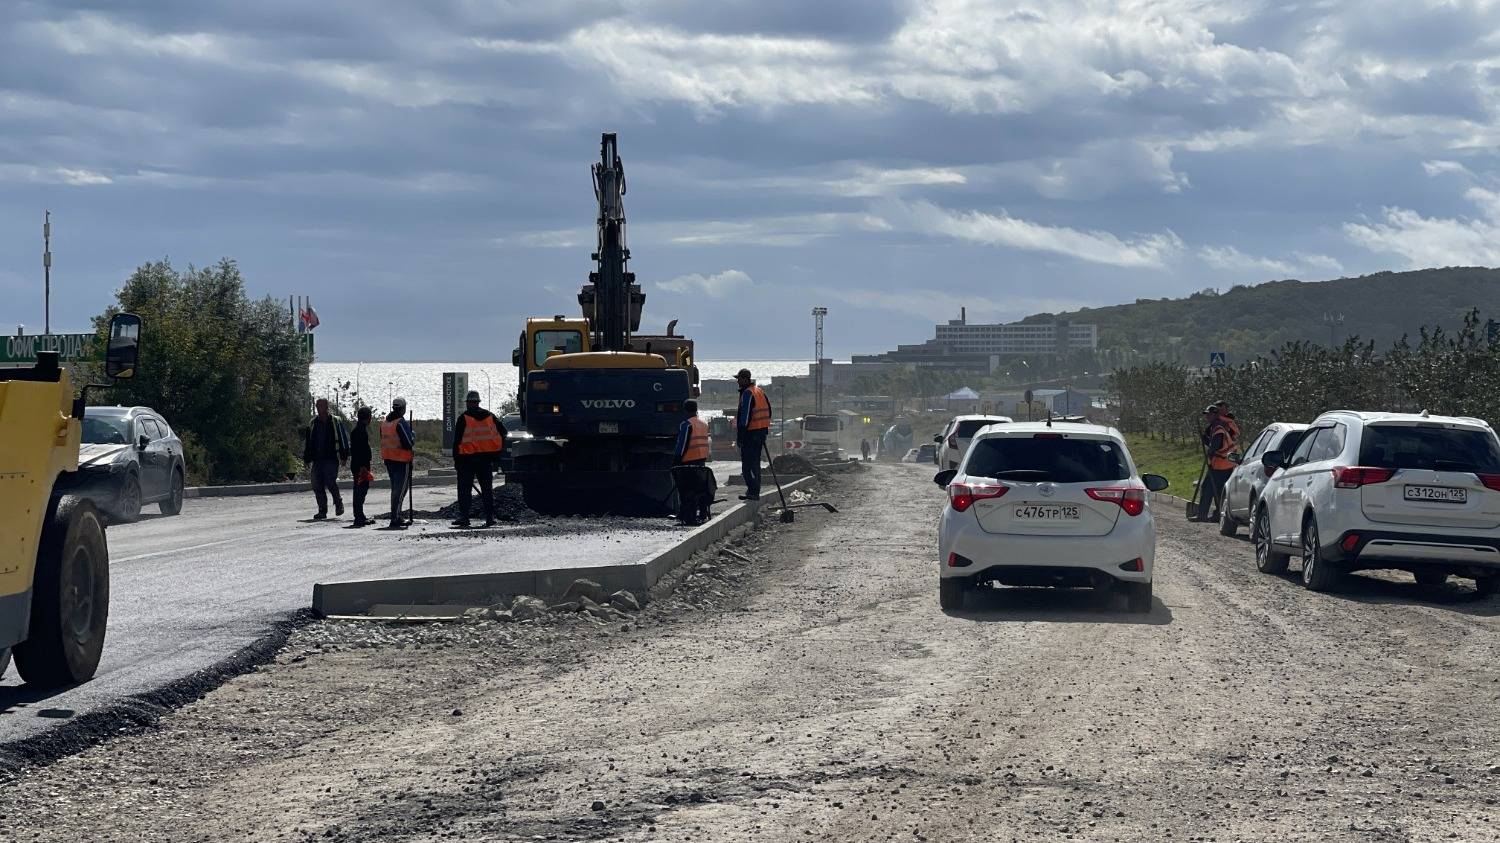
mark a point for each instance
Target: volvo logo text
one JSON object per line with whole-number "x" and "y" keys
{"x": 608, "y": 403}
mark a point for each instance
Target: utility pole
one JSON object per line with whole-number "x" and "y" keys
{"x": 47, "y": 272}
{"x": 818, "y": 314}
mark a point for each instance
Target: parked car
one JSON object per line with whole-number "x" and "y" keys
{"x": 921, "y": 453}
{"x": 955, "y": 438}
{"x": 1047, "y": 505}
{"x": 1365, "y": 491}
{"x": 515, "y": 431}
{"x": 129, "y": 458}
{"x": 1244, "y": 486}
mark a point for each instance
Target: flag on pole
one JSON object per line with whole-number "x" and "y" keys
{"x": 310, "y": 316}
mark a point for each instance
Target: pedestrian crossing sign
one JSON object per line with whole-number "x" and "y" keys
{"x": 1217, "y": 359}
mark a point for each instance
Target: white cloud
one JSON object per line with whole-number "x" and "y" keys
{"x": 557, "y": 238}
{"x": 1002, "y": 229}
{"x": 1437, "y": 168}
{"x": 1436, "y": 241}
{"x": 794, "y": 230}
{"x": 717, "y": 286}
{"x": 52, "y": 175}
{"x": 870, "y": 181}
{"x": 1299, "y": 263}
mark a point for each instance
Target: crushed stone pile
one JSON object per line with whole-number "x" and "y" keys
{"x": 794, "y": 465}
{"x": 509, "y": 506}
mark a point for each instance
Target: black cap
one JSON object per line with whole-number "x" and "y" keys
{"x": 743, "y": 373}
{"x": 472, "y": 397}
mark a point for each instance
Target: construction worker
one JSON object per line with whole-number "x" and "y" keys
{"x": 478, "y": 438}
{"x": 324, "y": 450}
{"x": 360, "y": 460}
{"x": 752, "y": 426}
{"x": 695, "y": 482}
{"x": 397, "y": 443}
{"x": 864, "y": 449}
{"x": 1219, "y": 442}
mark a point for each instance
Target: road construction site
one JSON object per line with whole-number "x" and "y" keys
{"x": 798, "y": 681}
{"x": 191, "y": 593}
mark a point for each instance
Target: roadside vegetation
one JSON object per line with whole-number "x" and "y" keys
{"x": 1179, "y": 462}
{"x": 1445, "y": 372}
{"x": 228, "y": 373}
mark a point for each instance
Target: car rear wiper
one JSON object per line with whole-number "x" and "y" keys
{"x": 1023, "y": 474}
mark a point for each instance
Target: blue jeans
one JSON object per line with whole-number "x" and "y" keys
{"x": 752, "y": 442}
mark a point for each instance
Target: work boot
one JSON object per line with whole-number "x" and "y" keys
{"x": 489, "y": 522}
{"x": 461, "y": 523}
{"x": 749, "y": 497}
{"x": 338, "y": 508}
{"x": 320, "y": 516}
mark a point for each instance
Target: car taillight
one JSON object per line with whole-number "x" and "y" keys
{"x": 1490, "y": 481}
{"x": 1046, "y": 436}
{"x": 1130, "y": 499}
{"x": 963, "y": 495}
{"x": 1353, "y": 477}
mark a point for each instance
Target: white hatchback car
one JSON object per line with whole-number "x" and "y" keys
{"x": 1047, "y": 505}
{"x": 954, "y": 441}
{"x": 1365, "y": 491}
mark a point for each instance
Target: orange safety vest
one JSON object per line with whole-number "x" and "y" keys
{"x": 390, "y": 443}
{"x": 760, "y": 409}
{"x": 1226, "y": 435}
{"x": 481, "y": 436}
{"x": 697, "y": 444}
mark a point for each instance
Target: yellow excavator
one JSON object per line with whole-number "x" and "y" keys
{"x": 54, "y": 561}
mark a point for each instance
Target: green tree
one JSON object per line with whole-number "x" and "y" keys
{"x": 228, "y": 373}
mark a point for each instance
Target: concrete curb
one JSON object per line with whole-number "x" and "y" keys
{"x": 357, "y": 597}
{"x": 297, "y": 486}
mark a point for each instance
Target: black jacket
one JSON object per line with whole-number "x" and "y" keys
{"x": 458, "y": 430}
{"x": 359, "y": 447}
{"x": 326, "y": 441}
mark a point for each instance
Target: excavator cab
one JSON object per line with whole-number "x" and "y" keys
{"x": 54, "y": 562}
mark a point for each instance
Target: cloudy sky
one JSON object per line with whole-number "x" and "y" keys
{"x": 423, "y": 174}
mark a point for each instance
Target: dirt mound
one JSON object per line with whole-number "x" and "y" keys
{"x": 509, "y": 506}
{"x": 794, "y": 465}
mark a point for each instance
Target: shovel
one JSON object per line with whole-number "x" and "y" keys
{"x": 787, "y": 514}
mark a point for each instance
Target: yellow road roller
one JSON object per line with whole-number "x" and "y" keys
{"x": 54, "y": 561}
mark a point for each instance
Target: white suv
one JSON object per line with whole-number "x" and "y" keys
{"x": 954, "y": 441}
{"x": 1363, "y": 491}
{"x": 1047, "y": 504}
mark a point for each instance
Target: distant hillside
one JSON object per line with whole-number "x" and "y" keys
{"x": 1247, "y": 321}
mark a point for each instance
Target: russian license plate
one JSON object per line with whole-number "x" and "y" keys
{"x": 609, "y": 427}
{"x": 1440, "y": 494}
{"x": 1047, "y": 512}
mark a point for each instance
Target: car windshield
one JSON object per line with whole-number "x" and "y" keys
{"x": 1431, "y": 447}
{"x": 101, "y": 430}
{"x": 1047, "y": 457}
{"x": 968, "y": 427}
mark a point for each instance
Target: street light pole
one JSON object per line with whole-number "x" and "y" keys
{"x": 47, "y": 273}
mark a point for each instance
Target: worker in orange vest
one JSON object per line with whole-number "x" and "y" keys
{"x": 695, "y": 481}
{"x": 752, "y": 426}
{"x": 1219, "y": 441}
{"x": 397, "y": 444}
{"x": 478, "y": 439}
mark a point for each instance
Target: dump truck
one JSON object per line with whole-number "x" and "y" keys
{"x": 601, "y": 401}
{"x": 54, "y": 562}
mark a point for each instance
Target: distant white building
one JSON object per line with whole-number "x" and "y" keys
{"x": 960, "y": 345}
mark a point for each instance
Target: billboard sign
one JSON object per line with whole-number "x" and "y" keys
{"x": 72, "y": 348}
{"x": 455, "y": 387}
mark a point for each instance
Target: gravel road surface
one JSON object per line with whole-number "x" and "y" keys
{"x": 817, "y": 693}
{"x": 190, "y": 591}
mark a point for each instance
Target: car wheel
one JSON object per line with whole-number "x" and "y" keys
{"x": 951, "y": 593}
{"x": 70, "y": 599}
{"x": 1486, "y": 586}
{"x": 173, "y": 504}
{"x": 128, "y": 505}
{"x": 1268, "y": 560}
{"x": 1318, "y": 574}
{"x": 1227, "y": 525}
{"x": 1431, "y": 579}
{"x": 1138, "y": 597}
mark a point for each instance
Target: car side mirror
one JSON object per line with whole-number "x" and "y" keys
{"x": 944, "y": 477}
{"x": 123, "y": 351}
{"x": 1154, "y": 482}
{"x": 1273, "y": 459}
{"x": 515, "y": 357}
{"x": 143, "y": 442}
{"x": 938, "y": 438}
